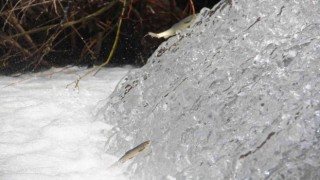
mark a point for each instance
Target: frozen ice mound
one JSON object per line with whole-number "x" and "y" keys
{"x": 236, "y": 96}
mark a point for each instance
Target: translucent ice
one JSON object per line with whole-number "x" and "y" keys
{"x": 236, "y": 96}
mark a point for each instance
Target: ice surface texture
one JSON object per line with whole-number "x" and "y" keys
{"x": 236, "y": 96}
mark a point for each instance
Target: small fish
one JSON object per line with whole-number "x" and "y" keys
{"x": 181, "y": 25}
{"x": 131, "y": 153}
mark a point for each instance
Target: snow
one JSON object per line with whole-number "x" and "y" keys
{"x": 48, "y": 131}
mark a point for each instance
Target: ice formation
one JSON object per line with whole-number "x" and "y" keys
{"x": 236, "y": 96}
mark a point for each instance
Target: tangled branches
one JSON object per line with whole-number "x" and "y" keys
{"x": 44, "y": 33}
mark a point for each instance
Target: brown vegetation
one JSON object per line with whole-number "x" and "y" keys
{"x": 45, "y": 33}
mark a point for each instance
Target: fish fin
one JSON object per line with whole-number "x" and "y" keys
{"x": 154, "y": 35}
{"x": 116, "y": 164}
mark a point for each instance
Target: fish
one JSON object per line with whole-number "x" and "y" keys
{"x": 181, "y": 25}
{"x": 131, "y": 153}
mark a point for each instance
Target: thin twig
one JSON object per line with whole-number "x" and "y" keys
{"x": 115, "y": 43}
{"x": 70, "y": 23}
{"x": 193, "y": 11}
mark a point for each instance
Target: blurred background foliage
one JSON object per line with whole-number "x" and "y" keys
{"x": 38, "y": 34}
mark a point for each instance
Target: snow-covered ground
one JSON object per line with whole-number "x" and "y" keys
{"x": 48, "y": 131}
